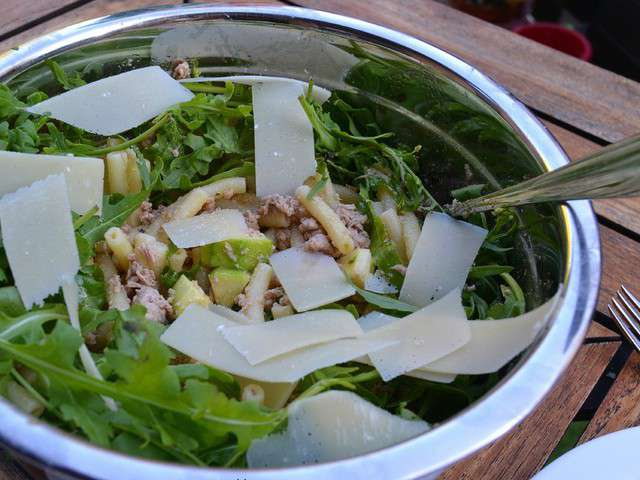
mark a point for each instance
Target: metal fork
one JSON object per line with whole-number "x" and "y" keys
{"x": 626, "y": 311}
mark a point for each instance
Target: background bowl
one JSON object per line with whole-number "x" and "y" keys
{"x": 472, "y": 131}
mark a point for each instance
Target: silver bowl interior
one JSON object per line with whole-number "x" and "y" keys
{"x": 471, "y": 130}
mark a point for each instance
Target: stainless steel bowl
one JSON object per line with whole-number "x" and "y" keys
{"x": 426, "y": 96}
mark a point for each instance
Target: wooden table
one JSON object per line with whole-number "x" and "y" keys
{"x": 585, "y": 107}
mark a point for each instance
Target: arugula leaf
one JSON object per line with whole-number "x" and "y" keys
{"x": 116, "y": 209}
{"x": 319, "y": 185}
{"x": 14, "y": 324}
{"x": 222, "y": 134}
{"x": 68, "y": 82}
{"x": 468, "y": 192}
{"x": 384, "y": 302}
{"x": 5, "y": 271}
{"x": 483, "y": 271}
{"x": 383, "y": 250}
{"x": 10, "y": 302}
{"x": 9, "y": 104}
{"x": 148, "y": 390}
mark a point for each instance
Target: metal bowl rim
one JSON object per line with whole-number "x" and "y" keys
{"x": 467, "y": 432}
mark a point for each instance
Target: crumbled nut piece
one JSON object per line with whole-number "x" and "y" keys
{"x": 181, "y": 70}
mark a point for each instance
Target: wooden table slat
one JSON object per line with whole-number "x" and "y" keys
{"x": 16, "y": 13}
{"x": 621, "y": 407}
{"x": 523, "y": 451}
{"x": 597, "y": 330}
{"x": 581, "y": 94}
{"x": 620, "y": 264}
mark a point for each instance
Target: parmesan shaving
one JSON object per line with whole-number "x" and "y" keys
{"x": 38, "y": 237}
{"x": 207, "y": 228}
{"x": 198, "y": 333}
{"x": 331, "y": 426}
{"x": 310, "y": 280}
{"x": 374, "y": 320}
{"x": 283, "y": 137}
{"x": 494, "y": 343}
{"x": 424, "y": 336}
{"x": 229, "y": 314}
{"x": 84, "y": 176}
{"x": 118, "y": 103}
{"x": 441, "y": 260}
{"x": 261, "y": 342}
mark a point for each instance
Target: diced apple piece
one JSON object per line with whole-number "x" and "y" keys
{"x": 227, "y": 284}
{"x": 237, "y": 253}
{"x": 187, "y": 292}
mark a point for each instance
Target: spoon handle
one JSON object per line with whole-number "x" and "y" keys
{"x": 612, "y": 172}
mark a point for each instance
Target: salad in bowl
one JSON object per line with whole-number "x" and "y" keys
{"x": 241, "y": 271}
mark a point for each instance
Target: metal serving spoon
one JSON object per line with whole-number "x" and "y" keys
{"x": 612, "y": 172}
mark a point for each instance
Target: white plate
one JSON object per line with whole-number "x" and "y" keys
{"x": 614, "y": 456}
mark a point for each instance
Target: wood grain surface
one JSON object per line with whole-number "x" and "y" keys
{"x": 523, "y": 451}
{"x": 621, "y": 407}
{"x": 620, "y": 264}
{"x": 17, "y": 13}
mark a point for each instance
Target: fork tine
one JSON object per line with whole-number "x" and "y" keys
{"x": 623, "y": 325}
{"x": 634, "y": 320}
{"x": 631, "y": 296}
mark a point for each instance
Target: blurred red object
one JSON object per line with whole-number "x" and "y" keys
{"x": 558, "y": 37}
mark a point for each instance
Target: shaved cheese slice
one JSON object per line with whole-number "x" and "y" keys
{"x": 84, "y": 176}
{"x": 261, "y": 342}
{"x": 432, "y": 376}
{"x": 319, "y": 94}
{"x": 283, "y": 137}
{"x": 38, "y": 238}
{"x": 229, "y": 314}
{"x": 424, "y": 336}
{"x": 116, "y": 104}
{"x": 331, "y": 426}
{"x": 275, "y": 394}
{"x": 310, "y": 279}
{"x": 494, "y": 342}
{"x": 441, "y": 260}
{"x": 374, "y": 320}
{"x": 197, "y": 333}
{"x": 207, "y": 228}
{"x": 376, "y": 282}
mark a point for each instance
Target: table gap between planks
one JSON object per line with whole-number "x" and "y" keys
{"x": 583, "y": 106}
